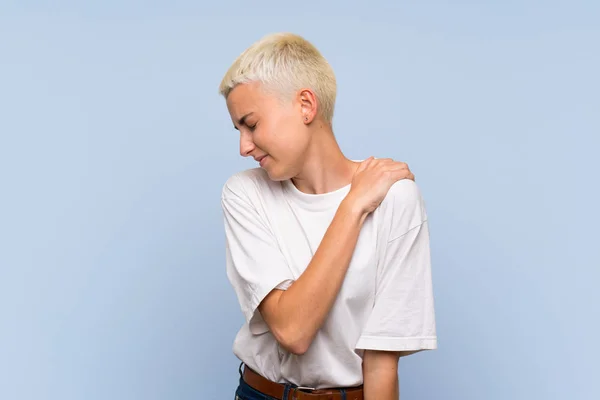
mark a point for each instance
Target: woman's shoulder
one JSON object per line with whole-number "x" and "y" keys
{"x": 403, "y": 206}
{"x": 404, "y": 194}
{"x": 248, "y": 184}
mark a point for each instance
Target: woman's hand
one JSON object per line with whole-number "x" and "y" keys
{"x": 373, "y": 179}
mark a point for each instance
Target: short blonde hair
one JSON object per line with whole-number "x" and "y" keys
{"x": 284, "y": 63}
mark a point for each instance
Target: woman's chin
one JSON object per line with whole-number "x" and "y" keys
{"x": 274, "y": 177}
{"x": 276, "y": 174}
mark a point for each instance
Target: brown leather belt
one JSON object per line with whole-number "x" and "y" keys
{"x": 277, "y": 390}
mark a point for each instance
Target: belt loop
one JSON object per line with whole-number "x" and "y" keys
{"x": 286, "y": 391}
{"x": 343, "y": 394}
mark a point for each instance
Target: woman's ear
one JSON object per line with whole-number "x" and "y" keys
{"x": 308, "y": 105}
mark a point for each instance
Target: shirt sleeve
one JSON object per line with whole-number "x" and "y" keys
{"x": 255, "y": 265}
{"x": 403, "y": 317}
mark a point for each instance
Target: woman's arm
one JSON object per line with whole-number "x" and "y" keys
{"x": 380, "y": 374}
{"x": 295, "y": 315}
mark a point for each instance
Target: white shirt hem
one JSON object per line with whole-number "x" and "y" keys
{"x": 390, "y": 343}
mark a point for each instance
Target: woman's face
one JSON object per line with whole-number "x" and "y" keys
{"x": 272, "y": 131}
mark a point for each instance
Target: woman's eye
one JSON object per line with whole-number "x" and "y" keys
{"x": 252, "y": 127}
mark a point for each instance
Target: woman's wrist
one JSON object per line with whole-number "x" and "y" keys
{"x": 353, "y": 208}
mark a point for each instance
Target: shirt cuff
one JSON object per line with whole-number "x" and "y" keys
{"x": 390, "y": 343}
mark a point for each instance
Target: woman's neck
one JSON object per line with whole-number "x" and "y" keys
{"x": 325, "y": 167}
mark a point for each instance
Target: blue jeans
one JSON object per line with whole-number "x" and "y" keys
{"x": 247, "y": 392}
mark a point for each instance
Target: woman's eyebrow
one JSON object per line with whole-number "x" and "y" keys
{"x": 241, "y": 120}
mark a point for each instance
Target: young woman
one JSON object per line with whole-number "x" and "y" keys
{"x": 329, "y": 257}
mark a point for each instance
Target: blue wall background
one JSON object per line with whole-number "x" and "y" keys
{"x": 114, "y": 146}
